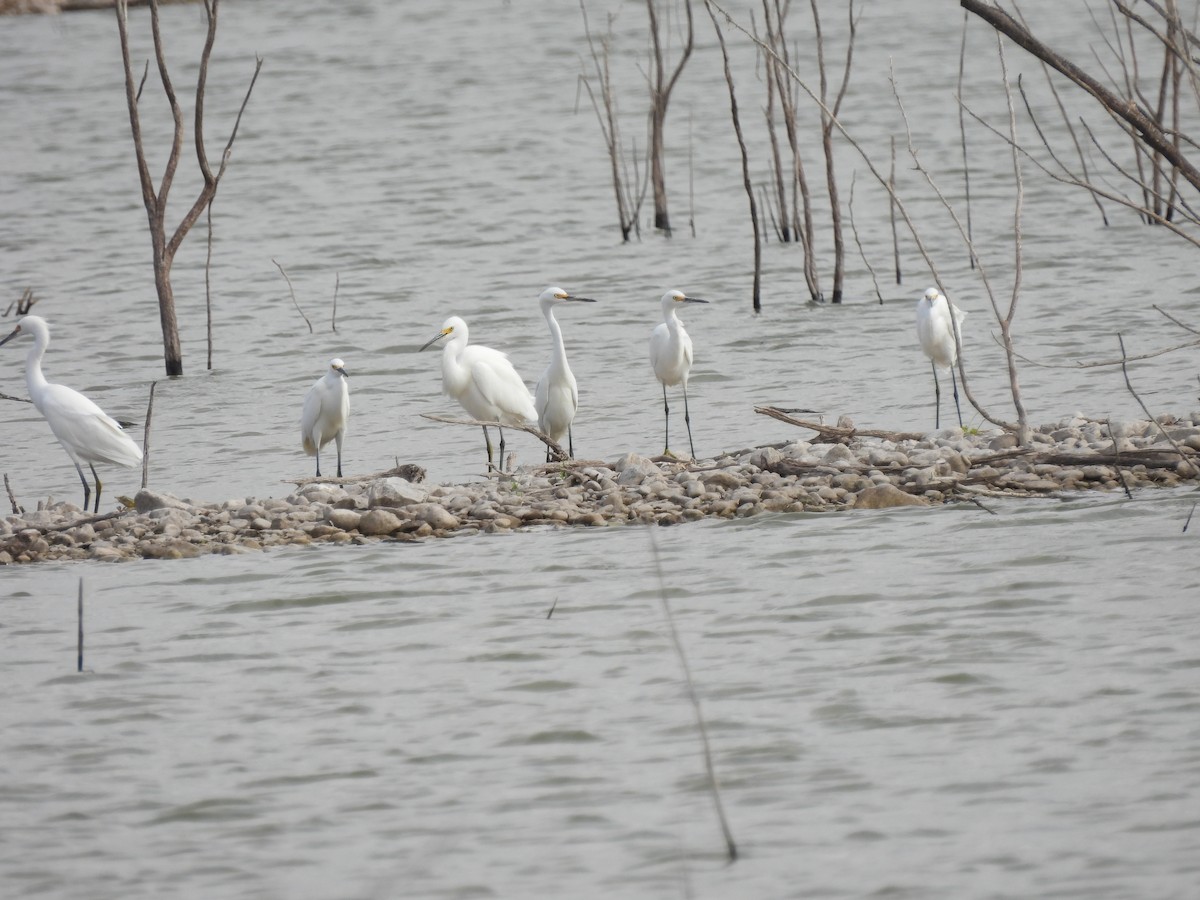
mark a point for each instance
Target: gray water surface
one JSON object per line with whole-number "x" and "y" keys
{"x": 939, "y": 703}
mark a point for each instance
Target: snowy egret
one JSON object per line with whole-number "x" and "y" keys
{"x": 934, "y": 314}
{"x": 84, "y": 430}
{"x": 484, "y": 383}
{"x": 671, "y": 356}
{"x": 326, "y": 409}
{"x": 557, "y": 393}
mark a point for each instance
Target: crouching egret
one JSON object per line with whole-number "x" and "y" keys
{"x": 556, "y": 396}
{"x": 934, "y": 316}
{"x": 483, "y": 382}
{"x": 84, "y": 430}
{"x": 326, "y": 409}
{"x": 671, "y": 357}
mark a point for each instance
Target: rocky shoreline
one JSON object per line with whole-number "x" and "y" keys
{"x": 841, "y": 468}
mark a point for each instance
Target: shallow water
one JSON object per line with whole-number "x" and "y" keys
{"x": 938, "y": 703}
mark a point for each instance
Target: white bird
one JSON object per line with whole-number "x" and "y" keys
{"x": 934, "y": 316}
{"x": 484, "y": 383}
{"x": 671, "y": 356}
{"x": 556, "y": 396}
{"x": 84, "y": 430}
{"x": 326, "y": 409}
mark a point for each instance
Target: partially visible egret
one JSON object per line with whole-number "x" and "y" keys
{"x": 557, "y": 394}
{"x": 934, "y": 314}
{"x": 326, "y": 409}
{"x": 84, "y": 430}
{"x": 671, "y": 356}
{"x": 484, "y": 383}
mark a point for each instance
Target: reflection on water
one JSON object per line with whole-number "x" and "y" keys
{"x": 933, "y": 704}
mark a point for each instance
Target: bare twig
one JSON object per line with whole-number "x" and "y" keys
{"x": 4, "y": 396}
{"x": 962, "y": 60}
{"x": 146, "y": 437}
{"x": 79, "y": 650}
{"x": 737, "y": 127}
{"x": 556, "y": 452}
{"x": 1175, "y": 320}
{"x": 835, "y": 433}
{"x": 1191, "y": 512}
{"x": 854, "y": 231}
{"x": 337, "y": 282}
{"x": 12, "y": 499}
{"x": 294, "y": 301}
{"x": 1129, "y": 384}
{"x": 730, "y": 845}
{"x": 1117, "y": 460}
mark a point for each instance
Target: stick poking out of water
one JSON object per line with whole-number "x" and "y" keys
{"x": 79, "y": 656}
{"x": 146, "y": 436}
{"x": 730, "y": 846}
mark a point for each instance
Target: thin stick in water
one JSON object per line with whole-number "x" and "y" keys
{"x": 79, "y": 655}
{"x": 16, "y": 507}
{"x": 554, "y": 605}
{"x": 1117, "y": 460}
{"x": 337, "y": 282}
{"x": 293, "y": 293}
{"x": 730, "y": 846}
{"x": 146, "y": 437}
{"x": 1189, "y": 518}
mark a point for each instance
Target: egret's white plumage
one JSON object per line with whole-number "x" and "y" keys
{"x": 326, "y": 410}
{"x": 671, "y": 357}
{"x": 556, "y": 396}
{"x": 483, "y": 382}
{"x": 84, "y": 430}
{"x": 935, "y": 331}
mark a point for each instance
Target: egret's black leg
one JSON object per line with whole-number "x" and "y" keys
{"x": 501, "y": 430}
{"x": 687, "y": 419}
{"x": 954, "y": 381}
{"x": 666, "y": 424}
{"x": 87, "y": 488}
{"x": 98, "y": 487}
{"x": 937, "y": 395}
{"x": 339, "y": 448}
{"x": 488, "y": 440}
{"x": 318, "y": 462}
{"x": 570, "y": 444}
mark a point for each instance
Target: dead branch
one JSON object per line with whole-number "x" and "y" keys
{"x": 835, "y": 433}
{"x": 661, "y": 85}
{"x": 408, "y": 471}
{"x": 293, "y": 293}
{"x": 4, "y": 396}
{"x": 1129, "y": 384}
{"x": 155, "y": 202}
{"x": 556, "y": 452}
{"x": 12, "y": 499}
{"x": 737, "y": 128}
{"x": 854, "y": 231}
{"x": 337, "y": 283}
{"x": 1148, "y": 131}
{"x": 23, "y": 304}
{"x": 1175, "y": 320}
{"x": 146, "y": 436}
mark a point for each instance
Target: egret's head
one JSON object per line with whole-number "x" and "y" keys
{"x": 336, "y": 365}
{"x": 670, "y": 298}
{"x": 452, "y": 326}
{"x": 553, "y": 295}
{"x": 931, "y": 295}
{"x": 30, "y": 325}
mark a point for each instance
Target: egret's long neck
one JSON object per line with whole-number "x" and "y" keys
{"x": 35, "y": 381}
{"x": 454, "y": 374}
{"x": 673, "y": 322}
{"x": 560, "y": 351}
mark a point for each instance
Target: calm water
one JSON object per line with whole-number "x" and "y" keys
{"x": 919, "y": 704}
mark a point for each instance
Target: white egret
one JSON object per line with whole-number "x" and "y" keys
{"x": 484, "y": 383}
{"x": 934, "y": 316}
{"x": 671, "y": 357}
{"x": 326, "y": 409}
{"x": 556, "y": 396}
{"x": 84, "y": 430}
